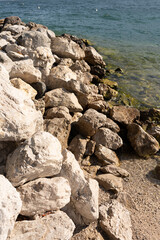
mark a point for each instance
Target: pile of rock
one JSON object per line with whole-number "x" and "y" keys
{"x": 53, "y": 123}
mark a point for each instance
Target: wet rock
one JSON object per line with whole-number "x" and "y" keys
{"x": 92, "y": 57}
{"x": 143, "y": 143}
{"x": 107, "y": 138}
{"x": 44, "y": 194}
{"x": 26, "y": 88}
{"x": 19, "y": 119}
{"x": 53, "y": 226}
{"x": 60, "y": 128}
{"x": 110, "y": 182}
{"x": 39, "y": 156}
{"x": 106, "y": 155}
{"x": 115, "y": 170}
{"x": 40, "y": 87}
{"x": 125, "y": 115}
{"x": 58, "y": 112}
{"x": 61, "y": 97}
{"x": 66, "y": 48}
{"x": 115, "y": 221}
{"x": 26, "y": 71}
{"x": 10, "y": 207}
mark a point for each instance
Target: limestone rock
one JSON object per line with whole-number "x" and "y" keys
{"x": 57, "y": 226}
{"x": 26, "y": 71}
{"x": 116, "y": 171}
{"x": 44, "y": 194}
{"x": 18, "y": 117}
{"x": 64, "y": 47}
{"x": 10, "y": 207}
{"x": 106, "y": 155}
{"x": 78, "y": 146}
{"x": 108, "y": 138}
{"x": 16, "y": 29}
{"x": 39, "y": 105}
{"x": 84, "y": 77}
{"x": 110, "y": 182}
{"x": 59, "y": 77}
{"x": 3, "y": 43}
{"x": 93, "y": 57}
{"x": 61, "y": 97}
{"x": 80, "y": 65}
{"x": 143, "y": 143}
{"x": 25, "y": 87}
{"x": 115, "y": 221}
{"x": 58, "y": 112}
{"x": 6, "y": 61}
{"x": 38, "y": 156}
{"x": 33, "y": 39}
{"x": 14, "y": 51}
{"x": 60, "y": 128}
{"x": 124, "y": 114}
{"x": 7, "y": 36}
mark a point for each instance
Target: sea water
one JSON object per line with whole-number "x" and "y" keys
{"x": 125, "y": 32}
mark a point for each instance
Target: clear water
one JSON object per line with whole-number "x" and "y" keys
{"x": 126, "y": 32}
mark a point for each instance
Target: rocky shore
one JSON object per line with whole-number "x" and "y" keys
{"x": 63, "y": 139}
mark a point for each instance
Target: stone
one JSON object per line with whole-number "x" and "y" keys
{"x": 78, "y": 147}
{"x": 125, "y": 115}
{"x": 65, "y": 48}
{"x": 115, "y": 221}
{"x": 25, "y": 70}
{"x": 6, "y": 61}
{"x": 25, "y": 87}
{"x": 107, "y": 138}
{"x": 14, "y": 48}
{"x": 98, "y": 71}
{"x": 84, "y": 77}
{"x": 106, "y": 155}
{"x": 80, "y": 65}
{"x": 110, "y": 182}
{"x": 107, "y": 92}
{"x": 40, "y": 87}
{"x": 13, "y": 20}
{"x": 43, "y": 195}
{"x": 33, "y": 39}
{"x": 155, "y": 132}
{"x": 5, "y": 149}
{"x": 39, "y": 156}
{"x": 7, "y": 36}
{"x": 143, "y": 143}
{"x": 65, "y": 62}
{"x": 90, "y": 148}
{"x": 10, "y": 207}
{"x": 61, "y": 97}
{"x": 16, "y": 29}
{"x": 39, "y": 105}
{"x": 59, "y": 77}
{"x": 3, "y": 43}
{"x": 18, "y": 116}
{"x": 56, "y": 226}
{"x": 114, "y": 170}
{"x": 60, "y": 128}
{"x": 58, "y": 112}
{"x": 92, "y": 57}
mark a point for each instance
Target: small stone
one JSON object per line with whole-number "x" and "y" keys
{"x": 116, "y": 171}
{"x": 110, "y": 182}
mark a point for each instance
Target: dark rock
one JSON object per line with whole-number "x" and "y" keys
{"x": 13, "y": 20}
{"x": 40, "y": 87}
{"x": 98, "y": 70}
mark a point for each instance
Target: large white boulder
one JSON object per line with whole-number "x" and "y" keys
{"x": 57, "y": 226}
{"x": 39, "y": 156}
{"x": 10, "y": 207}
{"x": 44, "y": 194}
{"x": 18, "y": 116}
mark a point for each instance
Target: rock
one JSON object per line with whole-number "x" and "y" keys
{"x": 7, "y": 36}
{"x": 13, "y": 20}
{"x": 25, "y": 87}
{"x": 18, "y": 117}
{"x": 58, "y": 112}
{"x": 98, "y": 70}
{"x": 155, "y": 132}
{"x": 3, "y": 43}
{"x": 61, "y": 97}
{"x": 90, "y": 148}
{"x": 14, "y": 48}
{"x": 44, "y": 194}
{"x": 33, "y": 40}
{"x": 26, "y": 71}
{"x": 115, "y": 221}
{"x": 124, "y": 114}
{"x": 110, "y": 182}
{"x": 39, "y": 156}
{"x": 57, "y": 226}
{"x": 80, "y": 65}
{"x": 15, "y": 29}
{"x": 5, "y": 149}
{"x": 78, "y": 147}
{"x": 66, "y": 48}
{"x": 143, "y": 143}
{"x": 92, "y": 57}
{"x": 6, "y": 61}
{"x": 84, "y": 77}
{"x": 60, "y": 128}
{"x": 10, "y": 207}
{"x": 108, "y": 138}
{"x": 65, "y": 62}
{"x": 107, "y": 92}
{"x": 116, "y": 171}
{"x": 106, "y": 155}
{"x": 40, "y": 87}
{"x": 39, "y": 105}
{"x": 59, "y": 77}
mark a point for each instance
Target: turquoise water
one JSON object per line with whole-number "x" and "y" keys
{"x": 126, "y": 32}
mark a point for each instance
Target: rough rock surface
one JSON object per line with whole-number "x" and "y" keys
{"x": 143, "y": 143}
{"x": 10, "y": 207}
{"x": 57, "y": 226}
{"x": 93, "y": 57}
{"x": 43, "y": 194}
{"x": 116, "y": 171}
{"x": 110, "y": 182}
{"x": 58, "y": 112}
{"x": 17, "y": 113}
{"x": 38, "y": 156}
{"x": 115, "y": 221}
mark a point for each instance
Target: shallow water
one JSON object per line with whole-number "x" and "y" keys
{"x": 126, "y": 32}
